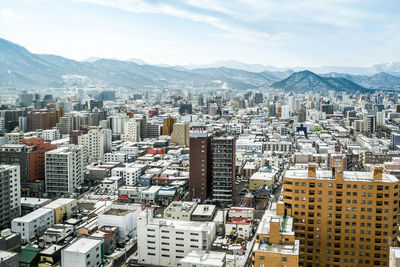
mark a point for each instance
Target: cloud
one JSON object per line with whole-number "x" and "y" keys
{"x": 230, "y": 28}
{"x": 9, "y": 14}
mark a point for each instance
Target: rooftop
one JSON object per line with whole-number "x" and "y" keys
{"x": 292, "y": 249}
{"x": 83, "y": 245}
{"x": 211, "y": 258}
{"x": 204, "y": 210}
{"x": 347, "y": 175}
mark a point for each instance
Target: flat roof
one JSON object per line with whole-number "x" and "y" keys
{"x": 347, "y": 175}
{"x": 5, "y": 255}
{"x": 204, "y": 210}
{"x": 33, "y": 215}
{"x": 262, "y": 176}
{"x": 83, "y": 245}
{"x": 212, "y": 258}
{"x": 34, "y": 200}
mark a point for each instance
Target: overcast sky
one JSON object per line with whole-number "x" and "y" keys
{"x": 270, "y": 32}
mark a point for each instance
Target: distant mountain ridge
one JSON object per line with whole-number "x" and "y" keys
{"x": 22, "y": 69}
{"x": 303, "y": 81}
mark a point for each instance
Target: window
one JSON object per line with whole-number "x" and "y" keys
{"x": 284, "y": 259}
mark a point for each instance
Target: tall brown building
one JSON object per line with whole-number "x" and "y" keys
{"x": 44, "y": 119}
{"x": 200, "y": 177}
{"x": 37, "y": 156}
{"x": 343, "y": 218}
{"x": 168, "y": 125}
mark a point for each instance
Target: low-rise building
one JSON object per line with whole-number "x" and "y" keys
{"x": 109, "y": 234}
{"x": 63, "y": 209}
{"x": 50, "y": 256}
{"x": 122, "y": 216}
{"x": 8, "y": 259}
{"x": 87, "y": 252}
{"x": 275, "y": 240}
{"x": 29, "y": 204}
{"x": 164, "y": 242}
{"x": 204, "y": 213}
{"x": 33, "y": 224}
{"x": 178, "y": 210}
{"x": 57, "y": 233}
{"x": 200, "y": 258}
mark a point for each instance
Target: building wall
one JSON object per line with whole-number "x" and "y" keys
{"x": 200, "y": 164}
{"x": 353, "y": 216}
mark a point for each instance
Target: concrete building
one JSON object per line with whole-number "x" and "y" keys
{"x": 394, "y": 260}
{"x": 8, "y": 259}
{"x": 200, "y": 258}
{"x": 64, "y": 169}
{"x": 178, "y": 210}
{"x": 87, "y": 252}
{"x": 10, "y": 189}
{"x": 17, "y": 154}
{"x": 57, "y": 233}
{"x": 122, "y": 216}
{"x": 29, "y": 204}
{"x": 33, "y": 224}
{"x": 168, "y": 125}
{"x": 204, "y": 213}
{"x": 130, "y": 175}
{"x": 351, "y": 213}
{"x": 63, "y": 209}
{"x": 180, "y": 134}
{"x": 51, "y": 135}
{"x": 224, "y": 168}
{"x": 96, "y": 142}
{"x": 116, "y": 157}
{"x": 131, "y": 131}
{"x": 164, "y": 242}
{"x": 275, "y": 239}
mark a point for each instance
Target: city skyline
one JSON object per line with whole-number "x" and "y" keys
{"x": 283, "y": 34}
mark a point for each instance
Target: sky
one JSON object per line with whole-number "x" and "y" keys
{"x": 281, "y": 33}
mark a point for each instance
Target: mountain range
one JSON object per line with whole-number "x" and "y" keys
{"x": 20, "y": 68}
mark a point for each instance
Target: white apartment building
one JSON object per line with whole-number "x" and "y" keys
{"x": 87, "y": 252}
{"x": 64, "y": 169}
{"x": 130, "y": 150}
{"x": 279, "y": 146}
{"x": 32, "y": 224}
{"x": 122, "y": 216}
{"x": 131, "y": 131}
{"x": 10, "y": 186}
{"x": 96, "y": 142}
{"x": 164, "y": 242}
{"x": 117, "y": 122}
{"x": 129, "y": 174}
{"x": 116, "y": 157}
{"x": 51, "y": 135}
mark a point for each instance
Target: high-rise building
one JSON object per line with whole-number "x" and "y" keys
{"x": 200, "y": 173}
{"x": 168, "y": 125}
{"x": 180, "y": 134}
{"x": 131, "y": 130}
{"x": 224, "y": 168}
{"x": 142, "y": 121}
{"x": 64, "y": 169}
{"x": 10, "y": 197}
{"x": 14, "y": 154}
{"x": 258, "y": 98}
{"x": 36, "y": 157}
{"x": 96, "y": 142}
{"x": 343, "y": 218}
{"x": 44, "y": 119}
{"x": 185, "y": 108}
